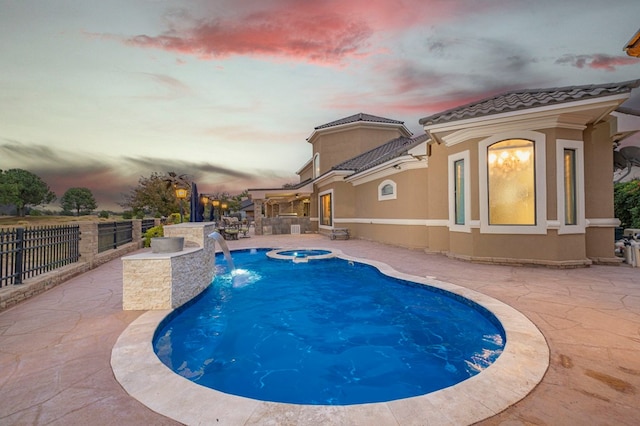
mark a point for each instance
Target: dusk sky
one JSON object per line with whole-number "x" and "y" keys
{"x": 99, "y": 93}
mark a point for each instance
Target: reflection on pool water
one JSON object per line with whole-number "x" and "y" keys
{"x": 325, "y": 332}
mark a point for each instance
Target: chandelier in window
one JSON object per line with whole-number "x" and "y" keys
{"x": 509, "y": 156}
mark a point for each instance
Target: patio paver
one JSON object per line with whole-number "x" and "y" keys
{"x": 55, "y": 348}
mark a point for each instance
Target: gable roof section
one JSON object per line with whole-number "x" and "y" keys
{"x": 526, "y": 99}
{"x": 385, "y": 152}
{"x": 359, "y": 117}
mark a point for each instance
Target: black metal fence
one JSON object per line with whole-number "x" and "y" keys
{"x": 147, "y": 224}
{"x": 111, "y": 235}
{"x": 27, "y": 252}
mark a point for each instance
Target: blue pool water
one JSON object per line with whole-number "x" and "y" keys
{"x": 326, "y": 332}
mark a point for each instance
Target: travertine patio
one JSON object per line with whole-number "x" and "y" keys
{"x": 55, "y": 349}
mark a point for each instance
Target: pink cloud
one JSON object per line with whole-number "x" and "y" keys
{"x": 325, "y": 32}
{"x": 597, "y": 61}
{"x": 322, "y": 38}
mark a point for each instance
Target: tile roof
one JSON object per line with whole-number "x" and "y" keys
{"x": 359, "y": 117}
{"x": 383, "y": 153}
{"x": 525, "y": 99}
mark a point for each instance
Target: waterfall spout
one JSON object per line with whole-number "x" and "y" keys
{"x": 225, "y": 249}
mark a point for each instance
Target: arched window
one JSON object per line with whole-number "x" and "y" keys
{"x": 513, "y": 183}
{"x": 387, "y": 190}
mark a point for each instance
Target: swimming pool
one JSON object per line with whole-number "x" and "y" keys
{"x": 522, "y": 365}
{"x": 336, "y": 332}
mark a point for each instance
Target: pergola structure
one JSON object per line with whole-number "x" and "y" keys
{"x": 279, "y": 208}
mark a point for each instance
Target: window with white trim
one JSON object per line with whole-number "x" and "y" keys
{"x": 387, "y": 190}
{"x": 459, "y": 194}
{"x": 326, "y": 208}
{"x": 512, "y": 183}
{"x": 570, "y": 187}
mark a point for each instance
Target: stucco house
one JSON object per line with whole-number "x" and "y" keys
{"x": 523, "y": 177}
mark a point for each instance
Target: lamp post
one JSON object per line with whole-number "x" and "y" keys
{"x": 204, "y": 199}
{"x": 215, "y": 204}
{"x": 223, "y": 206}
{"x": 181, "y": 194}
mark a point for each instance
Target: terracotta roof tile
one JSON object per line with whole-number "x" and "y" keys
{"x": 526, "y": 99}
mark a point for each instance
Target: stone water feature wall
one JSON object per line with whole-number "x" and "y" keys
{"x": 168, "y": 280}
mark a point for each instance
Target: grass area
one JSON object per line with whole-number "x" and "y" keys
{"x": 13, "y": 221}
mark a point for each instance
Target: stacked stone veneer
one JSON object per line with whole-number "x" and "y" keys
{"x": 282, "y": 225}
{"x": 168, "y": 280}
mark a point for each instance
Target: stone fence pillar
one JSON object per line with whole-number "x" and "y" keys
{"x": 88, "y": 246}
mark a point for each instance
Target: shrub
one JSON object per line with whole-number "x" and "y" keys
{"x": 626, "y": 203}
{"x": 34, "y": 212}
{"x": 104, "y": 214}
{"x": 140, "y": 215}
{"x": 127, "y": 215}
{"x": 156, "y": 231}
{"x": 174, "y": 218}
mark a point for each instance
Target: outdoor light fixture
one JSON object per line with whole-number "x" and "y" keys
{"x": 181, "y": 194}
{"x": 216, "y": 204}
{"x": 223, "y": 206}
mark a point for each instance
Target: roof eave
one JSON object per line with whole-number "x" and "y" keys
{"x": 388, "y": 168}
{"x": 332, "y": 176}
{"x": 613, "y": 100}
{"x": 261, "y": 194}
{"x": 632, "y": 47}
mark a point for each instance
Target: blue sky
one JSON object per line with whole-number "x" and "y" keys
{"x": 99, "y": 93}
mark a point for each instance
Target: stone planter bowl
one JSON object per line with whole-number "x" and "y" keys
{"x": 167, "y": 244}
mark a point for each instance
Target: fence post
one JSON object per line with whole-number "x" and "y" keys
{"x": 19, "y": 250}
{"x": 88, "y": 246}
{"x": 136, "y": 231}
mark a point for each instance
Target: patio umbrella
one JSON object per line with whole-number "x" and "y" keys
{"x": 197, "y": 209}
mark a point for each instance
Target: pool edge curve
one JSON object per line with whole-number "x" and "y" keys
{"x": 516, "y": 372}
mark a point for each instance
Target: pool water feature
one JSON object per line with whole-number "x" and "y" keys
{"x": 330, "y": 332}
{"x": 224, "y": 247}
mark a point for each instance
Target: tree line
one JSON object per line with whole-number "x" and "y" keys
{"x": 154, "y": 195}
{"x": 24, "y": 189}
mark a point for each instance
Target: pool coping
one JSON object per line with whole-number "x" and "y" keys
{"x": 522, "y": 365}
